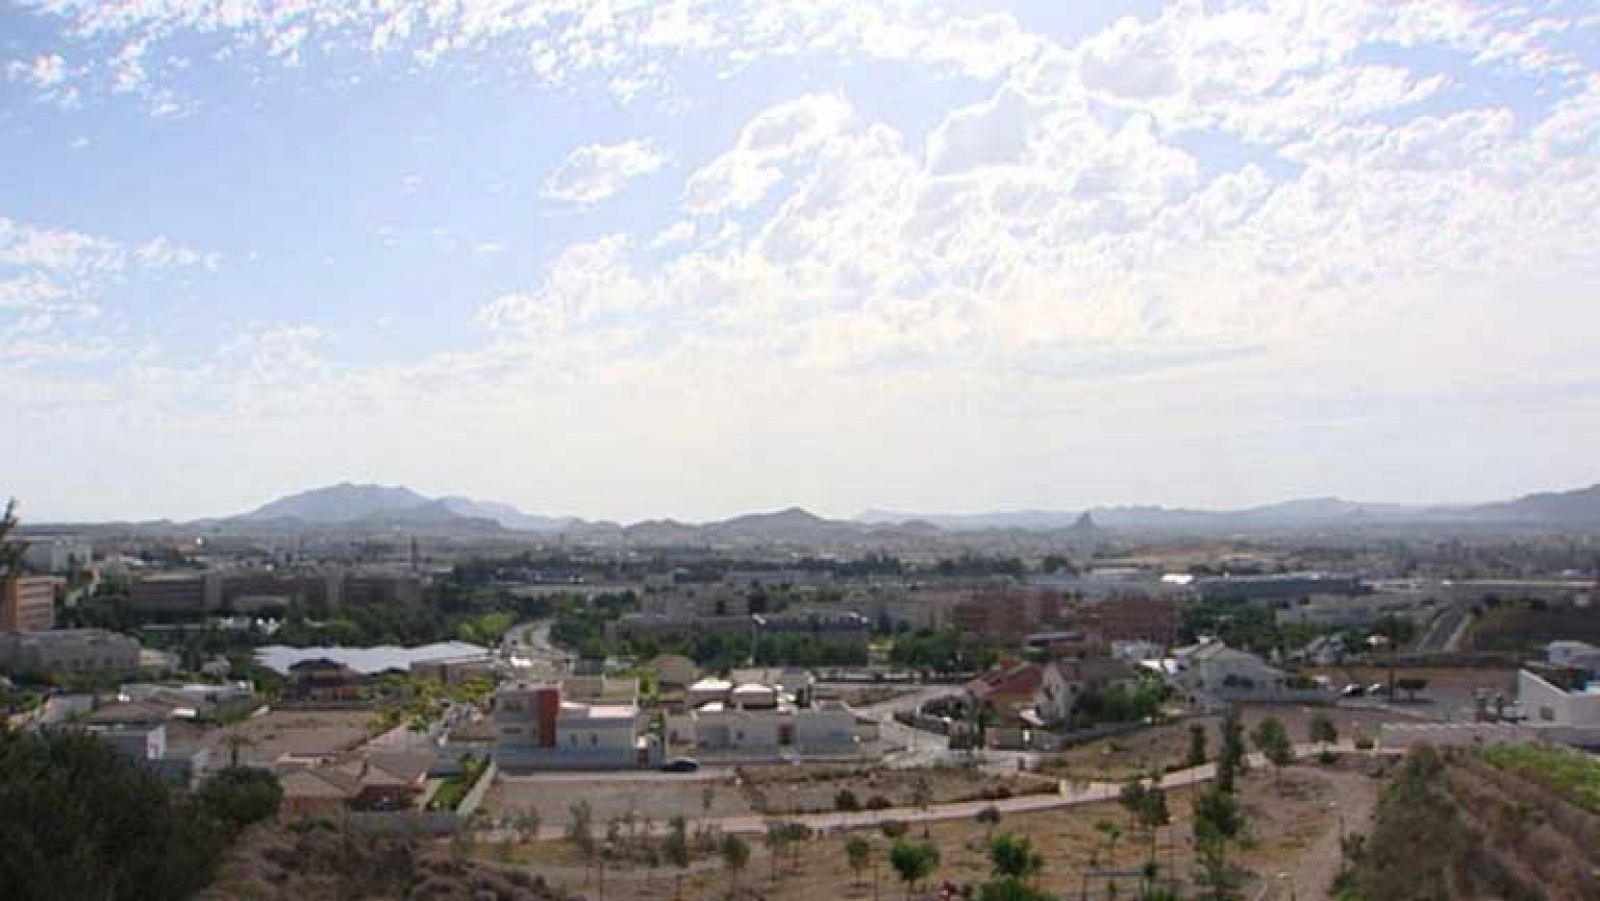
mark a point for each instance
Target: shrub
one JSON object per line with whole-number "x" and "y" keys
{"x": 878, "y": 802}
{"x": 846, "y": 801}
{"x": 893, "y": 829}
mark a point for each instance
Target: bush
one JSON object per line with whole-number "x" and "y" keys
{"x": 893, "y": 829}
{"x": 1365, "y": 743}
{"x": 878, "y": 802}
{"x": 846, "y": 801}
{"x": 238, "y": 796}
{"x": 1328, "y": 758}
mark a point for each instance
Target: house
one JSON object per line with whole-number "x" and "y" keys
{"x": 324, "y": 680}
{"x": 380, "y": 780}
{"x": 674, "y": 673}
{"x": 1008, "y": 689}
{"x": 1211, "y": 673}
{"x": 1064, "y": 682}
{"x": 763, "y": 720}
{"x": 543, "y": 725}
{"x": 1575, "y": 654}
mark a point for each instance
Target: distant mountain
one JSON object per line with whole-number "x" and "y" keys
{"x": 509, "y": 516}
{"x": 1578, "y": 506}
{"x": 393, "y": 505}
{"x": 344, "y": 502}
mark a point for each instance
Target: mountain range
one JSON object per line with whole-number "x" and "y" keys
{"x": 353, "y": 506}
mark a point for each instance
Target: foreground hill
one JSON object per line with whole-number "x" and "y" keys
{"x": 1509, "y": 822}
{"x": 315, "y": 860}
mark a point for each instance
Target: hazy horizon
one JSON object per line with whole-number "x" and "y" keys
{"x": 699, "y": 259}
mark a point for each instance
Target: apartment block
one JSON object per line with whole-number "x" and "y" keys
{"x": 28, "y": 603}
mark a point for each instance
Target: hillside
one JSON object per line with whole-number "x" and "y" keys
{"x": 1462, "y": 826}
{"x": 315, "y": 860}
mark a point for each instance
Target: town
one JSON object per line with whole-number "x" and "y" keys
{"x": 650, "y": 716}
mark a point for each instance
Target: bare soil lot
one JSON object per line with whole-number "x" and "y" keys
{"x": 654, "y": 799}
{"x": 1294, "y": 821}
{"x": 1134, "y": 753}
{"x": 269, "y": 737}
{"x": 816, "y": 789}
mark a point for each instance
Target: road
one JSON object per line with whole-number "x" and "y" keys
{"x": 528, "y": 646}
{"x": 913, "y": 748}
{"x": 1444, "y": 633}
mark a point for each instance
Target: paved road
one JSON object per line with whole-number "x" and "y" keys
{"x": 919, "y": 747}
{"x": 530, "y": 642}
{"x": 1444, "y": 633}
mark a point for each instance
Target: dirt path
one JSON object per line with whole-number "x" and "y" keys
{"x": 1313, "y": 871}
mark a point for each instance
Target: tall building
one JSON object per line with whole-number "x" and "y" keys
{"x": 28, "y": 603}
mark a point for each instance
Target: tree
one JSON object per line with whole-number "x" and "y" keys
{"x": 1197, "y": 745}
{"x": 989, "y": 817}
{"x": 1148, "y": 804}
{"x": 238, "y": 796}
{"x": 1112, "y": 832}
{"x": 11, "y": 552}
{"x": 1013, "y": 863}
{"x": 526, "y": 823}
{"x": 1323, "y": 731}
{"x": 921, "y": 792}
{"x": 80, "y": 821}
{"x": 735, "y": 854}
{"x": 777, "y": 839}
{"x": 580, "y": 826}
{"x": 858, "y": 851}
{"x": 1411, "y": 685}
{"x": 1231, "y": 761}
{"x": 1273, "y": 740}
{"x": 914, "y": 861}
{"x": 1217, "y": 821}
{"x": 1013, "y": 857}
{"x": 846, "y": 801}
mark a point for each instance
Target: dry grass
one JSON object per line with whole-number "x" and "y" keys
{"x": 1287, "y": 817}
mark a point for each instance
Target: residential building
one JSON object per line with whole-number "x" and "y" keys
{"x": 57, "y": 553}
{"x": 1553, "y": 696}
{"x": 1575, "y": 654}
{"x": 762, "y": 721}
{"x": 1008, "y": 689}
{"x": 68, "y": 651}
{"x": 1064, "y": 682}
{"x": 455, "y": 670}
{"x": 1006, "y": 615}
{"x": 842, "y": 627}
{"x": 542, "y": 727}
{"x": 28, "y": 603}
{"x": 377, "y": 780}
{"x": 674, "y": 673}
{"x": 1212, "y": 673}
{"x": 1137, "y": 617}
{"x": 324, "y": 680}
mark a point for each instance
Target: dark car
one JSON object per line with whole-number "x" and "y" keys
{"x": 681, "y": 765}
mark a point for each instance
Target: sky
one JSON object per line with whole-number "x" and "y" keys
{"x": 626, "y": 259}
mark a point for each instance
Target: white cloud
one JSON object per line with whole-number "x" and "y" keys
{"x": 594, "y": 172}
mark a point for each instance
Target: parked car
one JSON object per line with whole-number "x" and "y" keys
{"x": 1378, "y": 688}
{"x": 1353, "y": 691}
{"x": 681, "y": 765}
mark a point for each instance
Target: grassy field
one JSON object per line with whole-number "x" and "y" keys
{"x": 1571, "y": 774}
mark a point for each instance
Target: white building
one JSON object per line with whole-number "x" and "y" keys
{"x": 541, "y": 726}
{"x": 1211, "y": 672}
{"x": 762, "y": 721}
{"x": 1557, "y": 699}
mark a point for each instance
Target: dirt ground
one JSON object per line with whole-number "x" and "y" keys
{"x": 305, "y": 732}
{"x": 1295, "y": 821}
{"x": 1135, "y": 753}
{"x": 655, "y": 799}
{"x": 815, "y": 789}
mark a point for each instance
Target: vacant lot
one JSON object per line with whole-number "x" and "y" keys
{"x": 1450, "y": 690}
{"x": 268, "y": 738}
{"x": 1158, "y": 747}
{"x": 1294, "y": 826}
{"x": 1524, "y": 627}
{"x": 652, "y": 797}
{"x": 817, "y": 789}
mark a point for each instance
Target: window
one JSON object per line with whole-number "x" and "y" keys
{"x": 593, "y": 740}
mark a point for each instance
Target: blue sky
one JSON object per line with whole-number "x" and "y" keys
{"x": 629, "y": 259}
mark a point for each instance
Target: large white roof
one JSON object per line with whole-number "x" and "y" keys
{"x": 366, "y": 661}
